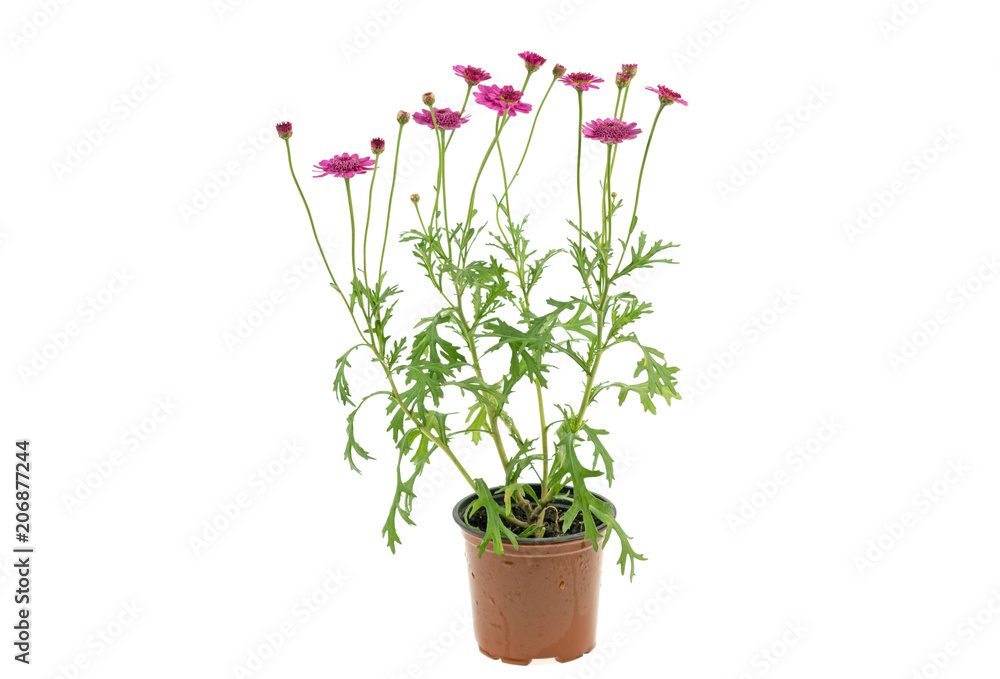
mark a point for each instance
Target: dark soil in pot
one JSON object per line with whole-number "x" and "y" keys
{"x": 553, "y": 519}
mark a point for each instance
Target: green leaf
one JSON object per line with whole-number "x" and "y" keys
{"x": 478, "y": 421}
{"x": 585, "y": 503}
{"x": 352, "y": 445}
{"x": 593, "y": 435}
{"x": 628, "y": 554}
{"x": 402, "y": 501}
{"x": 660, "y": 380}
{"x": 643, "y": 258}
{"x": 578, "y": 474}
{"x": 341, "y": 387}
{"x": 495, "y": 528}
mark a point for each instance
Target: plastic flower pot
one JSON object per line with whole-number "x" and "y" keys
{"x": 536, "y": 601}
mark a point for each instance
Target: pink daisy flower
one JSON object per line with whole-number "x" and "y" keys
{"x": 532, "y": 61}
{"x": 445, "y": 117}
{"x": 610, "y": 130}
{"x": 501, "y": 99}
{"x": 471, "y": 74}
{"x": 581, "y": 81}
{"x": 666, "y": 95}
{"x": 344, "y": 165}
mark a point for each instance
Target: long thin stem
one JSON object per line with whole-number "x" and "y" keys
{"x": 606, "y": 199}
{"x": 368, "y": 217}
{"x": 620, "y": 116}
{"x": 444, "y": 193}
{"x": 545, "y": 437}
{"x": 579, "y": 155}
{"x": 288, "y": 148}
{"x": 638, "y": 186}
{"x": 350, "y": 207}
{"x": 503, "y": 171}
{"x": 538, "y": 112}
{"x": 468, "y": 91}
{"x": 475, "y": 184}
{"x": 388, "y": 211}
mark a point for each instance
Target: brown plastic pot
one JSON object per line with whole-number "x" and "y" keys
{"x": 536, "y": 601}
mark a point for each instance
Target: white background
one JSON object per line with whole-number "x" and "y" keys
{"x": 896, "y": 81}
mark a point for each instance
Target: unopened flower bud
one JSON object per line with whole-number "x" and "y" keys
{"x": 630, "y": 69}
{"x": 415, "y": 197}
{"x": 428, "y": 98}
{"x": 378, "y": 145}
{"x": 284, "y": 130}
{"x": 621, "y": 79}
{"x": 402, "y": 117}
{"x": 558, "y": 70}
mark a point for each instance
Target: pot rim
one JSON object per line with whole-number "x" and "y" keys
{"x": 459, "y": 510}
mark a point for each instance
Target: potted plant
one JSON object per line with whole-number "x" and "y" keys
{"x": 534, "y": 537}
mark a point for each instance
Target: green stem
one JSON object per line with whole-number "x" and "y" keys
{"x": 538, "y": 112}
{"x": 579, "y": 155}
{"x": 606, "y": 199}
{"x": 545, "y": 438}
{"x": 350, "y": 206}
{"x": 368, "y": 217}
{"x": 395, "y": 165}
{"x": 444, "y": 192}
{"x": 620, "y": 116}
{"x": 506, "y": 196}
{"x": 288, "y": 148}
{"x": 475, "y": 184}
{"x": 468, "y": 91}
{"x": 638, "y": 186}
